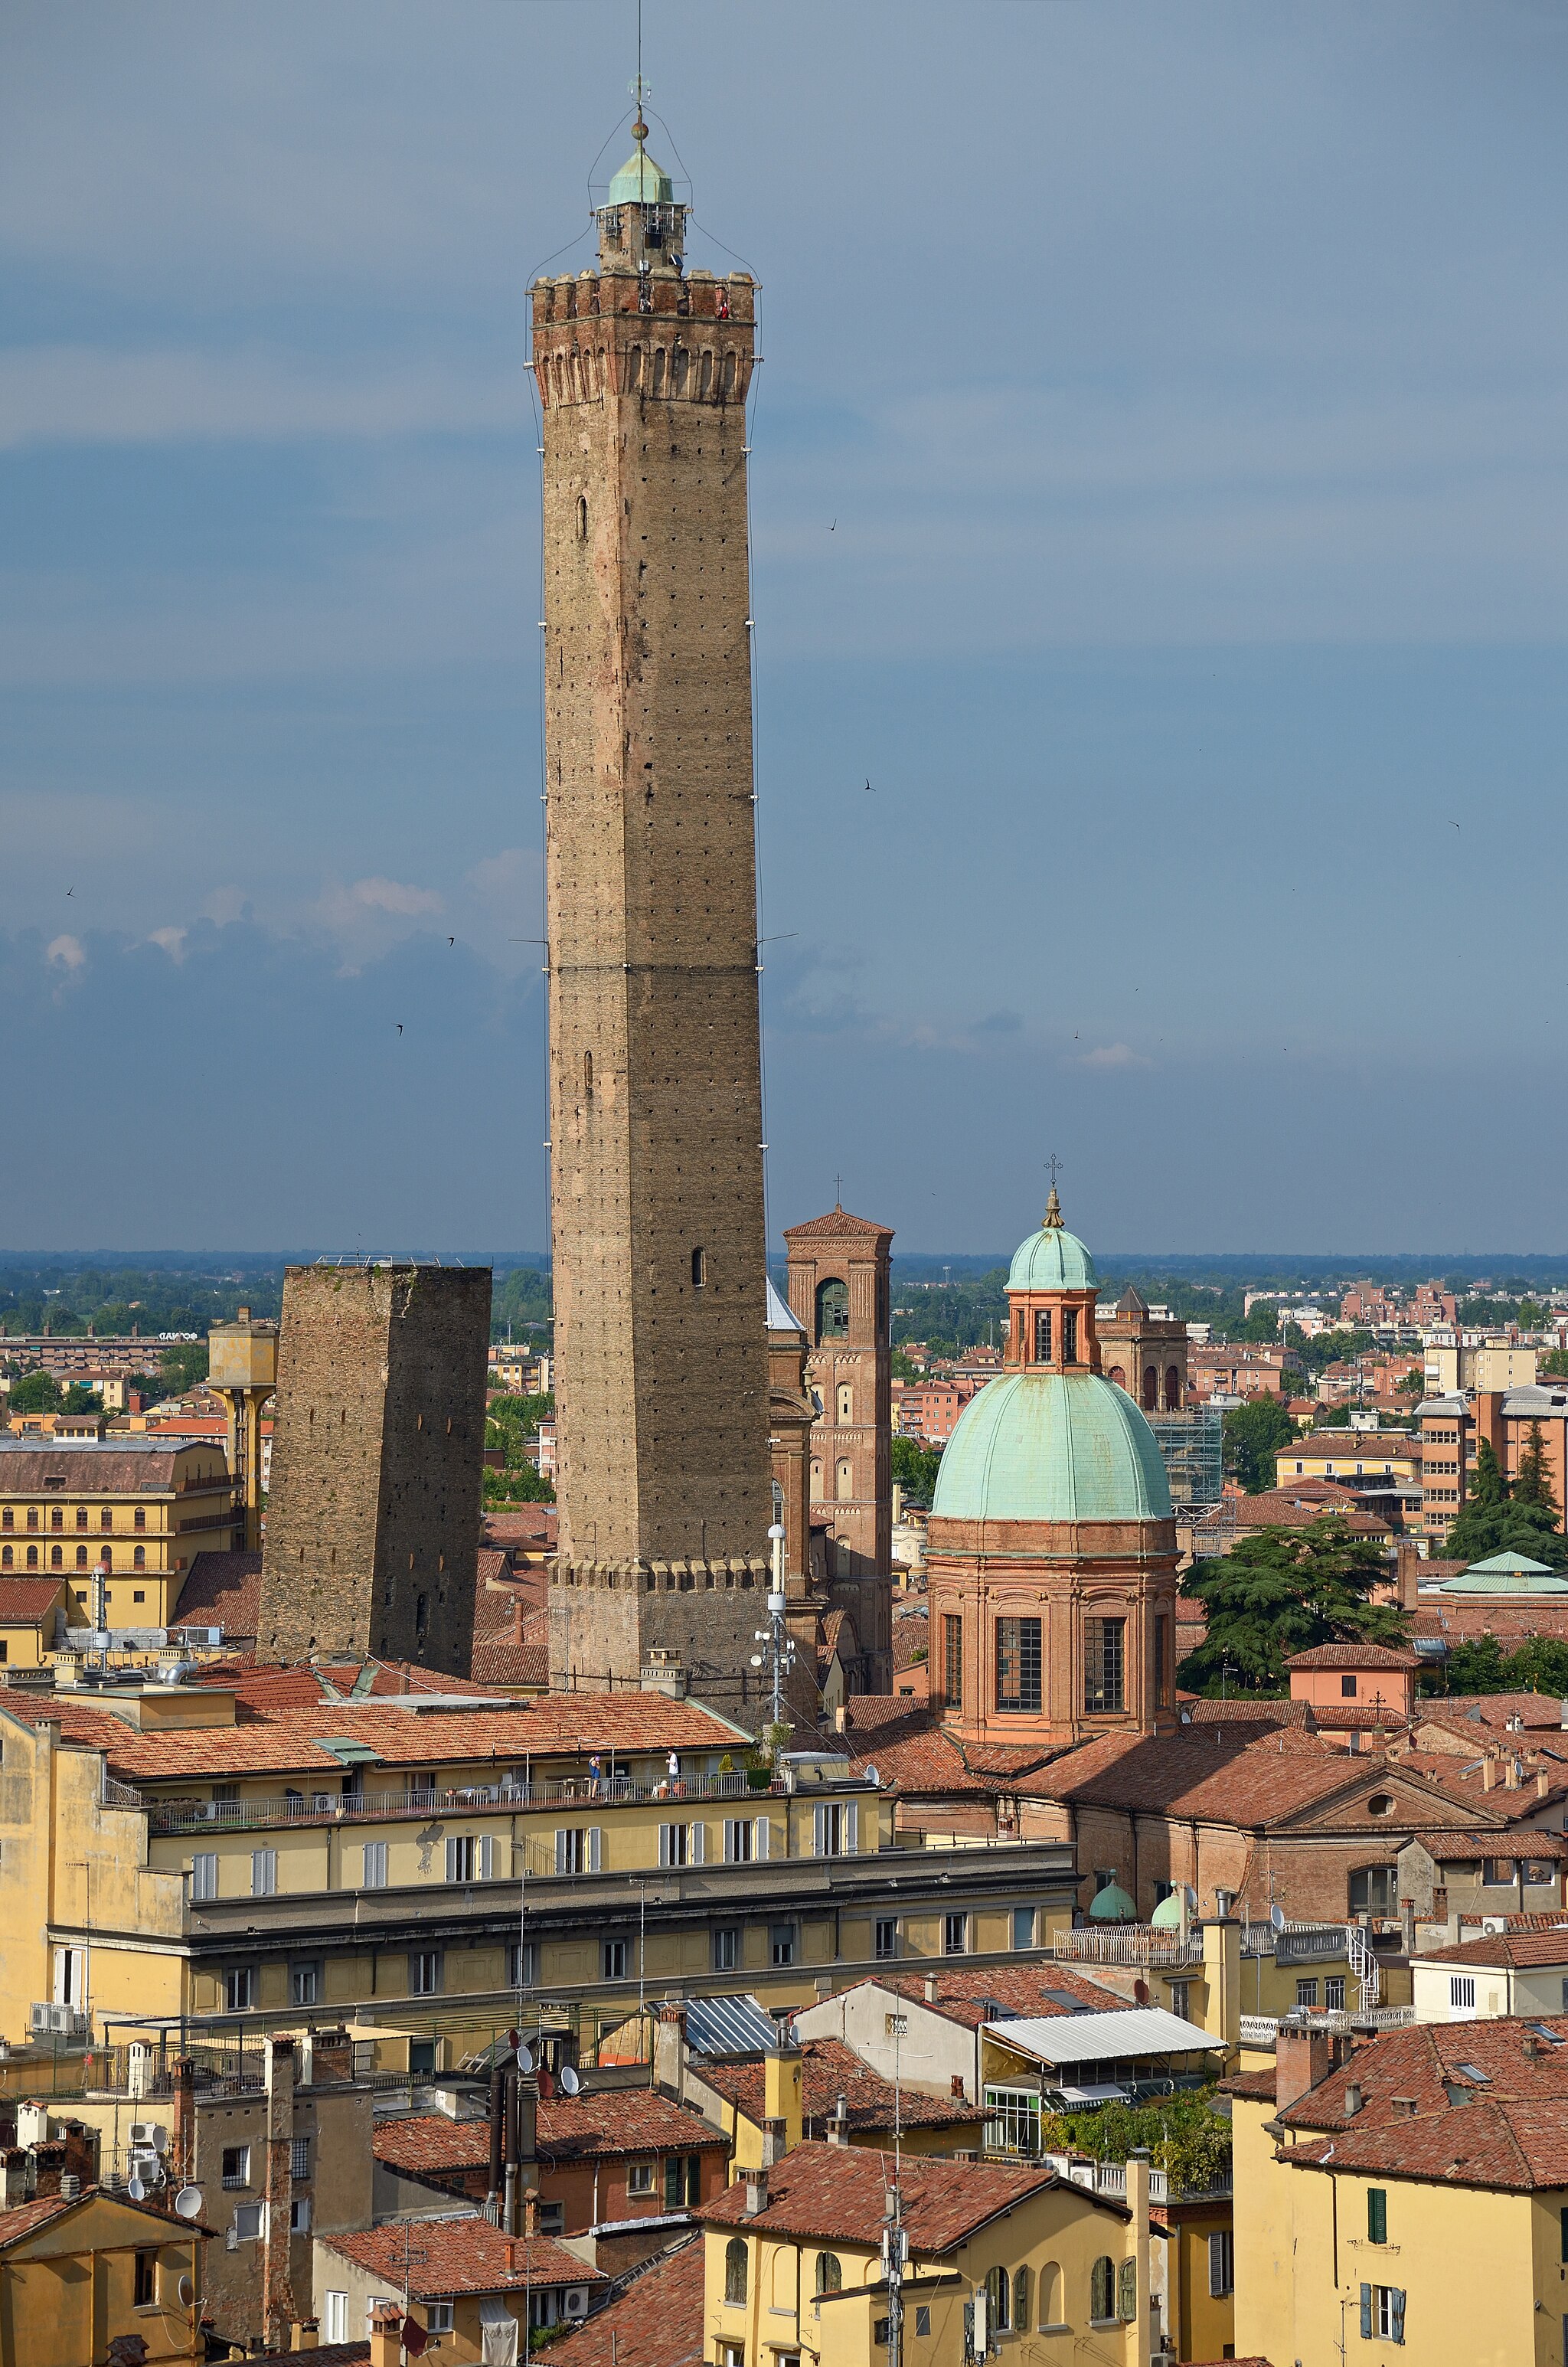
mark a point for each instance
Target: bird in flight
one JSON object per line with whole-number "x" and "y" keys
{"x": 834, "y": 527}
{"x": 872, "y": 791}
{"x": 70, "y": 892}
{"x": 1453, "y": 825}
{"x": 451, "y": 941}
{"x": 400, "y": 1026}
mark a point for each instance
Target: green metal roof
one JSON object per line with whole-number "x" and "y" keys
{"x": 1507, "y": 1573}
{"x": 1166, "y": 1916}
{"x": 1112, "y": 1904}
{"x": 1052, "y": 1446}
{"x": 641, "y": 182}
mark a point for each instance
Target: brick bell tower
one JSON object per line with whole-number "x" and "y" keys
{"x": 661, "y": 1342}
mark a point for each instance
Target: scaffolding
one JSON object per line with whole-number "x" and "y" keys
{"x": 1190, "y": 1443}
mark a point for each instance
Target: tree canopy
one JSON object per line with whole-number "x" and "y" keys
{"x": 1253, "y": 1434}
{"x": 1282, "y": 1591}
{"x": 1495, "y": 1519}
{"x": 915, "y": 1467}
{"x": 36, "y": 1393}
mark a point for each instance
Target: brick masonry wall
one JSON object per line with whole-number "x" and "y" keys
{"x": 655, "y": 1074}
{"x": 373, "y": 1518}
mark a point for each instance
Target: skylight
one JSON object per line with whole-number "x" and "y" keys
{"x": 1473, "y": 2071}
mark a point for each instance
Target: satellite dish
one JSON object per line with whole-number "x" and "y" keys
{"x": 187, "y": 2203}
{"x": 569, "y": 2082}
{"x": 524, "y": 2058}
{"x": 1276, "y": 1917}
{"x": 136, "y": 2190}
{"x": 873, "y": 1777}
{"x": 187, "y": 2292}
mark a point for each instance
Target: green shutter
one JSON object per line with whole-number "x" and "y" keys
{"x": 1129, "y": 2293}
{"x": 1377, "y": 2215}
{"x": 1397, "y": 2313}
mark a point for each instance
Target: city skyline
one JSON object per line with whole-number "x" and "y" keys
{"x": 1199, "y": 632}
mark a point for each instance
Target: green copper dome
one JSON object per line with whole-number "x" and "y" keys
{"x": 1052, "y": 1259}
{"x": 1507, "y": 1573}
{"x": 1112, "y": 1904}
{"x": 641, "y": 182}
{"x": 1052, "y": 1446}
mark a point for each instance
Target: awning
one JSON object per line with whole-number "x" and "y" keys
{"x": 1101, "y": 2037}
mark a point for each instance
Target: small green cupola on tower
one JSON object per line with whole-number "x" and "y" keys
{"x": 642, "y": 226}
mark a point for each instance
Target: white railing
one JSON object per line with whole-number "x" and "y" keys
{"x": 1263, "y": 2029}
{"x": 304, "y": 1808}
{"x": 1126, "y": 1943}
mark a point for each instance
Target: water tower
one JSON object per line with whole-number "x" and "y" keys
{"x": 242, "y": 1370}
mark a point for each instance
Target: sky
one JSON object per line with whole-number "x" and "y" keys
{"x": 1160, "y": 471}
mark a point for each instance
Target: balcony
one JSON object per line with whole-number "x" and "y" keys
{"x": 579, "y": 1793}
{"x": 1126, "y": 1943}
{"x": 1263, "y": 2029}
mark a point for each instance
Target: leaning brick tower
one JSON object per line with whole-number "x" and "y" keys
{"x": 662, "y": 1461}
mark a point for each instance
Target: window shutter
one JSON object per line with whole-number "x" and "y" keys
{"x": 562, "y": 1843}
{"x": 453, "y": 1850}
{"x": 487, "y": 1857}
{"x": 593, "y": 1838}
{"x": 666, "y": 1835}
{"x": 818, "y": 1832}
{"x": 1396, "y": 2314}
{"x": 851, "y": 1828}
{"x": 1365, "y": 2313}
{"x": 1127, "y": 2298}
{"x": 762, "y": 1849}
{"x": 697, "y": 1844}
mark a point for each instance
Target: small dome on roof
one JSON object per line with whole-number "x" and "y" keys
{"x": 1168, "y": 1914}
{"x": 1507, "y": 1573}
{"x": 1112, "y": 1904}
{"x": 1052, "y": 1259}
{"x": 641, "y": 182}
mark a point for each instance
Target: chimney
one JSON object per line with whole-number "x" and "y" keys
{"x": 49, "y": 2166}
{"x": 782, "y": 2115}
{"x": 756, "y": 2192}
{"x": 1542, "y": 1784}
{"x": 530, "y": 2214}
{"x": 839, "y": 2123}
{"x": 1512, "y": 1773}
{"x": 1407, "y": 1573}
{"x": 184, "y": 2118}
{"x": 1488, "y": 1772}
{"x": 1301, "y": 2057}
{"x": 279, "y": 2308}
{"x": 931, "y": 1988}
{"x": 14, "y": 2171}
{"x": 306, "y": 2336}
{"x": 1354, "y": 2099}
{"x": 668, "y": 2066}
{"x": 1408, "y": 1924}
{"x": 69, "y": 2186}
{"x": 386, "y": 2331}
{"x": 1221, "y": 1979}
{"x": 1532, "y": 2046}
{"x": 842, "y": 1718}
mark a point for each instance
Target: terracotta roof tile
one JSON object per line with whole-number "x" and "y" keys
{"x": 221, "y": 1589}
{"x": 505, "y": 1664}
{"x": 1512, "y": 1950}
{"x": 464, "y": 2255}
{"x": 1352, "y": 1656}
{"x": 971, "y": 1998}
{"x": 837, "y": 1225}
{"x": 1508, "y": 2129}
{"x": 656, "y": 2320}
{"x": 830, "y": 2069}
{"x": 1200, "y": 1712}
{"x": 839, "y": 2192}
{"x": 570, "y": 2128}
{"x": 1482, "y": 1841}
{"x": 120, "y": 1469}
{"x": 521, "y": 1525}
{"x": 26, "y": 2217}
{"x": 24, "y": 1600}
{"x": 913, "y": 1753}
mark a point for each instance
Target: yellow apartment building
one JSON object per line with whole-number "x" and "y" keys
{"x": 138, "y": 1509}
{"x": 796, "y": 2263}
{"x": 77, "y": 2270}
{"x": 1405, "y": 2206}
{"x": 34, "y": 1614}
{"x": 161, "y": 1857}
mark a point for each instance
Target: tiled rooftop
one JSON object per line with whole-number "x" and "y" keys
{"x": 464, "y": 2255}
{"x": 656, "y": 2320}
{"x": 1472, "y": 2103}
{"x": 838, "y": 2193}
{"x": 570, "y": 2128}
{"x": 830, "y": 2069}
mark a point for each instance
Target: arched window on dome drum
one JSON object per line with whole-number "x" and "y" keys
{"x": 1173, "y": 1389}
{"x": 1104, "y": 1665}
{"x": 832, "y": 1311}
{"x": 1151, "y": 1389}
{"x": 1069, "y": 1335}
{"x": 1118, "y": 1375}
{"x": 1042, "y": 1335}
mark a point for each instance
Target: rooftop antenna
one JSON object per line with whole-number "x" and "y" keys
{"x": 1053, "y": 1206}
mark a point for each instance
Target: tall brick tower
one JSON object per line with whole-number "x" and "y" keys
{"x": 373, "y": 1514}
{"x": 661, "y": 1345}
{"x": 839, "y": 1290}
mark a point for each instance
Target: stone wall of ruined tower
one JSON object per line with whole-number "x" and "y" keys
{"x": 373, "y": 1513}
{"x": 662, "y": 1462}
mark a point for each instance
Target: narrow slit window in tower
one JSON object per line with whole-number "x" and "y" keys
{"x": 699, "y": 1268}
{"x": 1069, "y": 1335}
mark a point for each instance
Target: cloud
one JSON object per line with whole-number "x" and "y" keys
{"x": 67, "y": 952}
{"x": 172, "y": 940}
{"x": 376, "y": 895}
{"x": 1113, "y": 1056}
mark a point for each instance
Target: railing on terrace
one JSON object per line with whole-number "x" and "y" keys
{"x": 364, "y": 1807}
{"x": 1161, "y": 1944}
{"x": 1263, "y": 2029}
{"x": 1106, "y": 2177}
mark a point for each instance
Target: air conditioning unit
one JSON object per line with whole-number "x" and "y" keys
{"x": 575, "y": 2302}
{"x": 143, "y": 2133}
